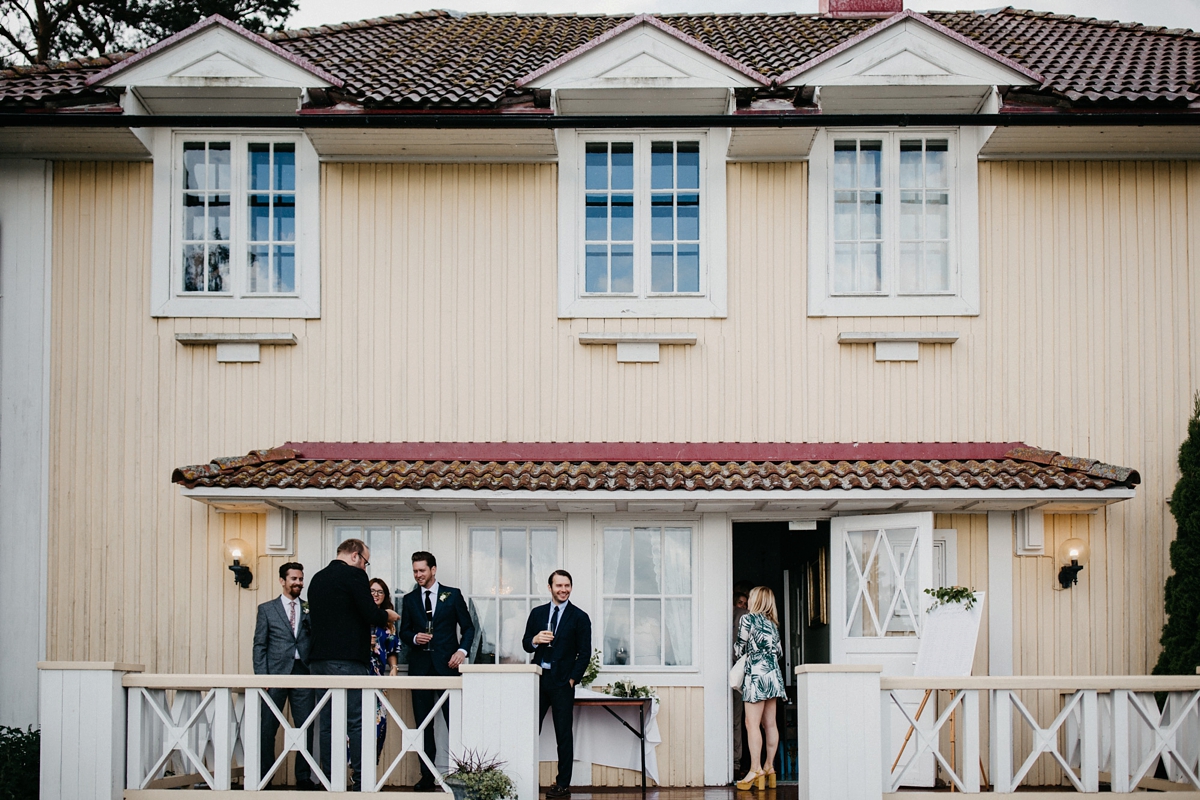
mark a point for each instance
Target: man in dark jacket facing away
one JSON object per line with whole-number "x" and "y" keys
{"x": 559, "y": 635}
{"x": 341, "y": 615}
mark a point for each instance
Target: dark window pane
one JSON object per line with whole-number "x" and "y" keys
{"x": 661, "y": 222}
{"x": 937, "y": 145}
{"x": 689, "y": 165}
{"x": 622, "y": 165}
{"x": 260, "y": 209}
{"x": 285, "y": 269}
{"x": 218, "y": 268}
{"x": 596, "y": 165}
{"x": 193, "y": 216}
{"x": 622, "y": 268}
{"x": 218, "y": 216}
{"x": 260, "y": 166}
{"x": 688, "y": 217}
{"x": 622, "y": 218}
{"x": 218, "y": 165}
{"x": 689, "y": 268}
{"x": 662, "y": 165}
{"x": 596, "y": 216}
{"x": 595, "y": 276}
{"x": 662, "y": 268}
{"x": 285, "y": 218}
{"x": 260, "y": 268}
{"x": 193, "y": 268}
{"x": 285, "y": 167}
{"x": 193, "y": 165}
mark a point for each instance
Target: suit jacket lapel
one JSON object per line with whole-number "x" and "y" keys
{"x": 283, "y": 620}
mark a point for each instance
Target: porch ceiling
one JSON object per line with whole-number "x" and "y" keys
{"x": 751, "y": 478}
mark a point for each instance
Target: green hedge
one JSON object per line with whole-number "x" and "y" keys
{"x": 19, "y": 763}
{"x": 1181, "y": 632}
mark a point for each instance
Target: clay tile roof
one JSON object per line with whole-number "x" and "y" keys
{"x": 443, "y": 59}
{"x": 627, "y": 466}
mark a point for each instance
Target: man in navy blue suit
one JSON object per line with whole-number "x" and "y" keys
{"x": 559, "y": 635}
{"x": 431, "y": 619}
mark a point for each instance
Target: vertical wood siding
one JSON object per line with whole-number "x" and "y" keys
{"x": 438, "y": 323}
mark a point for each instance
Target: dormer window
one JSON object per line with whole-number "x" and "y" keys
{"x": 641, "y": 225}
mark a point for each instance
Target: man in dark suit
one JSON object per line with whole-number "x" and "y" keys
{"x": 281, "y": 646}
{"x": 435, "y": 620}
{"x": 559, "y": 635}
{"x": 341, "y": 614}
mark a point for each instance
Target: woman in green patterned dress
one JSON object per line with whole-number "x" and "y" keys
{"x": 758, "y": 640}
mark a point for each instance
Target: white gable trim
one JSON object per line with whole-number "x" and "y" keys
{"x": 643, "y": 53}
{"x": 215, "y": 53}
{"x": 910, "y": 50}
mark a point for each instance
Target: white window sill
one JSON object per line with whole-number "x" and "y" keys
{"x": 637, "y": 348}
{"x": 236, "y": 348}
{"x": 244, "y": 308}
{"x": 929, "y": 306}
{"x": 897, "y": 345}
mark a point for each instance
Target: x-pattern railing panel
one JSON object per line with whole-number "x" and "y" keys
{"x": 207, "y": 723}
{"x": 928, "y": 741}
{"x": 295, "y": 738}
{"x": 412, "y": 740}
{"x": 1164, "y": 730}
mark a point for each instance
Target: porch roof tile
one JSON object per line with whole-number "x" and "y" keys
{"x": 621, "y": 466}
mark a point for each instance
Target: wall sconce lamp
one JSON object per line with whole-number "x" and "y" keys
{"x": 1072, "y": 557}
{"x": 238, "y": 551}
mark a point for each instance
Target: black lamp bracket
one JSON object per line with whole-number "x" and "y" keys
{"x": 1068, "y": 576}
{"x": 242, "y": 575}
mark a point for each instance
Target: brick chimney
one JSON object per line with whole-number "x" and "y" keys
{"x": 861, "y": 8}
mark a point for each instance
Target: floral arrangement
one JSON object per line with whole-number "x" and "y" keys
{"x": 951, "y": 594}
{"x": 481, "y": 777}
{"x": 593, "y": 670}
{"x": 443, "y": 597}
{"x": 625, "y": 687}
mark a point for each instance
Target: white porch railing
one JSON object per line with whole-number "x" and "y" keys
{"x": 160, "y": 732}
{"x": 1009, "y": 733}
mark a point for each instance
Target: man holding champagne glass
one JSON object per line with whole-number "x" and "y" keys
{"x": 435, "y": 620}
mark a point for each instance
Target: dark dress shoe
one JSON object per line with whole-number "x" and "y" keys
{"x": 425, "y": 785}
{"x": 557, "y": 791}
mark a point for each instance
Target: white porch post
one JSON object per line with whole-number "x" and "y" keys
{"x": 839, "y": 724}
{"x": 83, "y": 729}
{"x": 499, "y": 718}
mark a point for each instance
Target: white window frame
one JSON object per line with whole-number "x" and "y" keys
{"x": 167, "y": 298}
{"x": 603, "y": 523}
{"x": 711, "y": 300}
{"x": 467, "y": 523}
{"x": 963, "y": 300}
{"x": 329, "y": 543}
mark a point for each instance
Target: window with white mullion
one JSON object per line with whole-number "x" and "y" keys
{"x": 647, "y": 596}
{"x": 858, "y": 194}
{"x": 609, "y": 218}
{"x": 510, "y": 568}
{"x": 924, "y": 263}
{"x": 271, "y": 205}
{"x": 674, "y": 217}
{"x": 207, "y": 184}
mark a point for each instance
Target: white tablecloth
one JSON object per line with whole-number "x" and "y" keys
{"x": 600, "y": 739}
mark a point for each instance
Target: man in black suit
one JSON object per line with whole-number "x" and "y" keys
{"x": 432, "y": 617}
{"x": 559, "y": 635}
{"x": 341, "y": 615}
{"x": 281, "y": 647}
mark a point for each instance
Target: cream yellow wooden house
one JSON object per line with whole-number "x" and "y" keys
{"x": 603, "y": 293}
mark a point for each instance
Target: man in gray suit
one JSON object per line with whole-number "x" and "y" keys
{"x": 281, "y": 641}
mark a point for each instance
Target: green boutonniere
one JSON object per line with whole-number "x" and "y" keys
{"x": 303, "y": 606}
{"x": 443, "y": 597}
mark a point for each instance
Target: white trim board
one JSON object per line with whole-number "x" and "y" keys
{"x": 26, "y": 210}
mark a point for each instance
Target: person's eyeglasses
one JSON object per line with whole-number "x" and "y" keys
{"x": 364, "y": 560}
{"x": 377, "y": 591}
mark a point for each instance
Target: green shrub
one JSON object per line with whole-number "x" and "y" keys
{"x": 19, "y": 761}
{"x": 1181, "y": 632}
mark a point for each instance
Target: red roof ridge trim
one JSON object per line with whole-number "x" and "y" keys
{"x": 895, "y": 19}
{"x": 631, "y": 23}
{"x": 208, "y": 22}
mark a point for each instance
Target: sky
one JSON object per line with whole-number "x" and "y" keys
{"x": 1172, "y": 13}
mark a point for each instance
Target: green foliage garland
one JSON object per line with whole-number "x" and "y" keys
{"x": 625, "y": 687}
{"x": 946, "y": 595}
{"x": 1181, "y": 632}
{"x": 593, "y": 670}
{"x": 19, "y": 760}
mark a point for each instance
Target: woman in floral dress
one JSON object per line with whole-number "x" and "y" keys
{"x": 758, "y": 641}
{"x": 385, "y": 649}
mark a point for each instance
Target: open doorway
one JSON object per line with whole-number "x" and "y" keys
{"x": 793, "y": 560}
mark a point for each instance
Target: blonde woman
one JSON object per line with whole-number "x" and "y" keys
{"x": 758, "y": 641}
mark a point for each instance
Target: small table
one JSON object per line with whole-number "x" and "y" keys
{"x": 609, "y": 703}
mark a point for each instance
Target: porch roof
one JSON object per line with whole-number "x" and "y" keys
{"x": 583, "y": 468}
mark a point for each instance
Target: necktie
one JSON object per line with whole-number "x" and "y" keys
{"x": 428, "y": 606}
{"x": 554, "y": 620}
{"x": 292, "y": 615}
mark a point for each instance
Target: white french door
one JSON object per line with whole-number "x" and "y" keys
{"x": 879, "y": 569}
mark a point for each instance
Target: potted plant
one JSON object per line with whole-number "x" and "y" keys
{"x": 478, "y": 776}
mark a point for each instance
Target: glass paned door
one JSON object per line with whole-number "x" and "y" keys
{"x": 880, "y": 566}
{"x": 392, "y": 546}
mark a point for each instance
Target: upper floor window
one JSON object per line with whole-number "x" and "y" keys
{"x": 893, "y": 225}
{"x": 641, "y": 225}
{"x": 241, "y": 239}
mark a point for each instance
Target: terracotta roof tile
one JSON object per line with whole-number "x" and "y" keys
{"x": 285, "y": 468}
{"x": 440, "y": 59}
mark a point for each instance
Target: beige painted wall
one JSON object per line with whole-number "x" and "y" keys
{"x": 438, "y": 323}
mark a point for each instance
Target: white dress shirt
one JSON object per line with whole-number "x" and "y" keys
{"x": 562, "y": 609}
{"x": 287, "y": 614}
